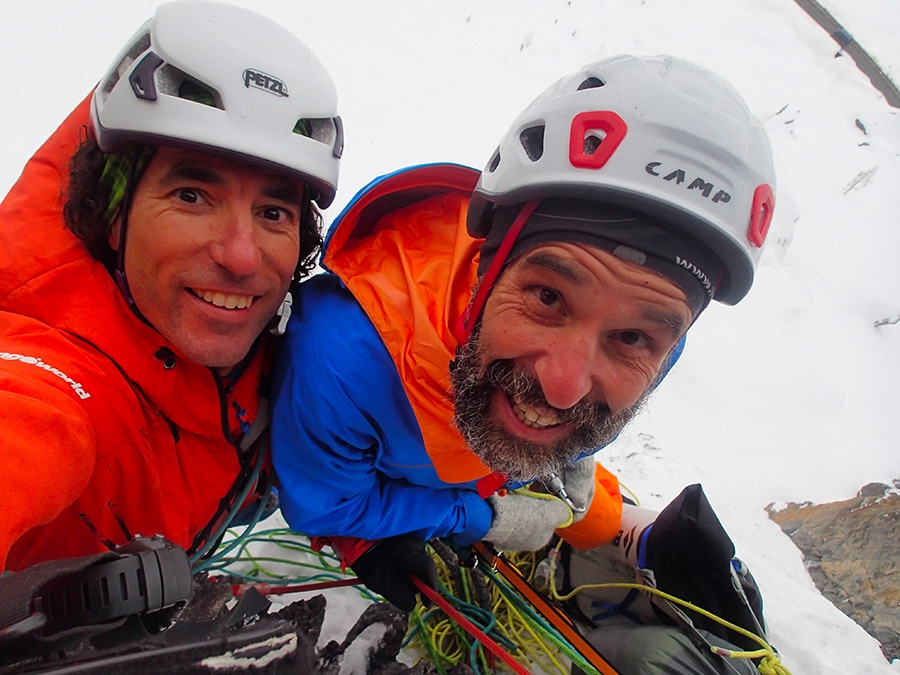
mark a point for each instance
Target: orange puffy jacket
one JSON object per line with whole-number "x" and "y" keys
{"x": 107, "y": 431}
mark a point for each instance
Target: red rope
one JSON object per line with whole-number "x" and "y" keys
{"x": 266, "y": 589}
{"x": 467, "y": 320}
{"x": 470, "y": 627}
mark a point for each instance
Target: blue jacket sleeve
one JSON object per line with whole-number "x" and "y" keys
{"x": 347, "y": 448}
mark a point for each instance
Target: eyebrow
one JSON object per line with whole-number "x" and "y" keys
{"x": 280, "y": 188}
{"x": 191, "y": 171}
{"x": 674, "y": 321}
{"x": 287, "y": 193}
{"x": 555, "y": 264}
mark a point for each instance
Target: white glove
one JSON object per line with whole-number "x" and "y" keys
{"x": 524, "y": 523}
{"x": 577, "y": 482}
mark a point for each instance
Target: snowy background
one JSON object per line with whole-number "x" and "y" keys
{"x": 791, "y": 395}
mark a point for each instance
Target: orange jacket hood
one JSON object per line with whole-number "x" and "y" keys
{"x": 403, "y": 251}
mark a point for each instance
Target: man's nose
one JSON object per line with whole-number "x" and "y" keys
{"x": 566, "y": 372}
{"x": 236, "y": 247}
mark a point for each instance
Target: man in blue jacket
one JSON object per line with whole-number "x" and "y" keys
{"x": 476, "y": 332}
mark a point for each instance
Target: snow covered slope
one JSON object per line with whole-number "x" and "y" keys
{"x": 791, "y": 395}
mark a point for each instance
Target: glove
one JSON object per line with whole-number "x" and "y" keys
{"x": 578, "y": 483}
{"x": 524, "y": 522}
{"x": 386, "y": 566}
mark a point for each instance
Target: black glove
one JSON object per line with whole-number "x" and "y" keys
{"x": 385, "y": 569}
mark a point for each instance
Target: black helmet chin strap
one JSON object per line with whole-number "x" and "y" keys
{"x": 279, "y": 322}
{"x": 119, "y": 273}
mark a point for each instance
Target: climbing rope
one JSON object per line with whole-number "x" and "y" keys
{"x": 471, "y": 628}
{"x": 770, "y": 664}
{"x": 241, "y": 557}
{"x": 476, "y": 596}
{"x": 279, "y": 561}
{"x": 486, "y": 599}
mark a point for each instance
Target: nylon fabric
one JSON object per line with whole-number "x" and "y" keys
{"x": 363, "y": 437}
{"x": 121, "y": 453}
{"x": 347, "y": 446}
{"x": 636, "y": 649}
{"x": 413, "y": 274}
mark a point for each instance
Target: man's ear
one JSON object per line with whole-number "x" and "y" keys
{"x": 114, "y": 233}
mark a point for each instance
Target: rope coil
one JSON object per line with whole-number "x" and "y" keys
{"x": 502, "y": 621}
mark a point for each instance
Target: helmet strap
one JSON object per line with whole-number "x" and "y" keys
{"x": 467, "y": 320}
{"x": 278, "y": 324}
{"x": 119, "y": 273}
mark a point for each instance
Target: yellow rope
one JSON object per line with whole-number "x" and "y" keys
{"x": 625, "y": 488}
{"x": 543, "y": 495}
{"x": 770, "y": 664}
{"x": 448, "y": 645}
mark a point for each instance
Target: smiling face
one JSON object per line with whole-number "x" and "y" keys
{"x": 210, "y": 250}
{"x": 570, "y": 343}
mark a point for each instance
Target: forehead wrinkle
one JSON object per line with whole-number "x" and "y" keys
{"x": 672, "y": 320}
{"x": 554, "y": 263}
{"x": 277, "y": 187}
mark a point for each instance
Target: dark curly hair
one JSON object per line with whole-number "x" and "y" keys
{"x": 87, "y": 200}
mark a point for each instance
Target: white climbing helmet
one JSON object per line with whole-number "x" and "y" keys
{"x": 658, "y": 135}
{"x": 225, "y": 79}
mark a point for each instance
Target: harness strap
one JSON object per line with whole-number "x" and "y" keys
{"x": 59, "y": 602}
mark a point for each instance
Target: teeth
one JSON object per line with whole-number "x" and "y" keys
{"x": 533, "y": 417}
{"x": 227, "y": 301}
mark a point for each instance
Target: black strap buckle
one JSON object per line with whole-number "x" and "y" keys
{"x": 151, "y": 574}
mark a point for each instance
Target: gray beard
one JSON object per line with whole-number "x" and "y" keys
{"x": 592, "y": 425}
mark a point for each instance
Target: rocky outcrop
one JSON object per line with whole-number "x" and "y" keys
{"x": 852, "y": 552}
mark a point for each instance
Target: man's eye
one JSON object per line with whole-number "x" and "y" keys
{"x": 188, "y": 195}
{"x": 548, "y": 296}
{"x": 631, "y": 337}
{"x": 276, "y": 214}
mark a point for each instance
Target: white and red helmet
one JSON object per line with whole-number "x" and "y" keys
{"x": 227, "y": 80}
{"x": 659, "y": 136}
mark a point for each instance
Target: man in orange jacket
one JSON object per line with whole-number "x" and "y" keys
{"x": 135, "y": 312}
{"x": 479, "y": 331}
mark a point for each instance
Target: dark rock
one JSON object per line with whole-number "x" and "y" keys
{"x": 873, "y": 490}
{"x": 306, "y": 616}
{"x": 851, "y": 549}
{"x": 383, "y": 654}
{"x": 213, "y": 634}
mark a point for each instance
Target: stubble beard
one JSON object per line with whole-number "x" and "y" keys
{"x": 474, "y": 384}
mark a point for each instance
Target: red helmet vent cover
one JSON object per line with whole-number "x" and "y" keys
{"x": 585, "y": 154}
{"x": 761, "y": 214}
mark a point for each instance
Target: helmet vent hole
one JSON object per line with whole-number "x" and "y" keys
{"x": 592, "y": 141}
{"x": 326, "y": 130}
{"x": 532, "y": 140}
{"x": 495, "y": 162}
{"x": 141, "y": 45}
{"x": 591, "y": 83}
{"x": 193, "y": 91}
{"x": 172, "y": 81}
{"x": 321, "y": 130}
